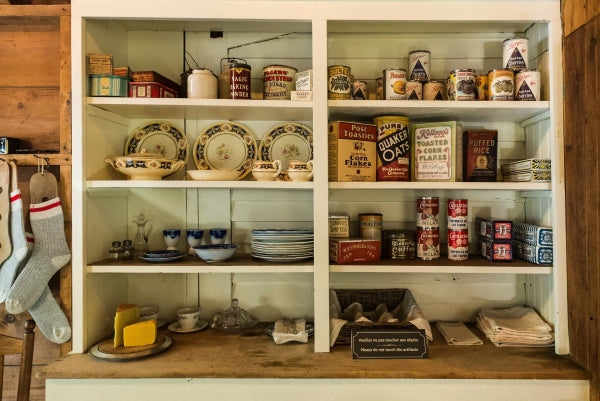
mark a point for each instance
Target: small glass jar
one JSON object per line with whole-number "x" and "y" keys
{"x": 115, "y": 252}
{"x": 202, "y": 84}
{"x": 127, "y": 249}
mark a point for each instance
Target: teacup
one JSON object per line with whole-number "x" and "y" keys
{"x": 300, "y": 171}
{"x": 171, "y": 237}
{"x": 194, "y": 238}
{"x": 188, "y": 317}
{"x": 217, "y": 235}
{"x": 263, "y": 170}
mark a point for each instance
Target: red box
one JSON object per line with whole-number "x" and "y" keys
{"x": 497, "y": 251}
{"x": 150, "y": 89}
{"x": 354, "y": 250}
{"x": 494, "y": 229}
{"x": 153, "y": 76}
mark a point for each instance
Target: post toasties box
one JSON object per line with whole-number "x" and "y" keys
{"x": 480, "y": 155}
{"x": 352, "y": 152}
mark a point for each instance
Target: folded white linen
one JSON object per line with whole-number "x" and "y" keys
{"x": 456, "y": 333}
{"x": 519, "y": 319}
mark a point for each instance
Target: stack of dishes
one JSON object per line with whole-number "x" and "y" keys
{"x": 282, "y": 245}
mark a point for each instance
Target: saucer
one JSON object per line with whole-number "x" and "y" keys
{"x": 176, "y": 328}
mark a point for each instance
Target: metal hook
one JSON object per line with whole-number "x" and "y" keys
{"x": 40, "y": 163}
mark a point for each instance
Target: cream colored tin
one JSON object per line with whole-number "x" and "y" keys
{"x": 515, "y": 53}
{"x": 278, "y": 82}
{"x": 527, "y": 85}
{"x": 414, "y": 90}
{"x": 434, "y": 90}
{"x": 394, "y": 84}
{"x": 418, "y": 65}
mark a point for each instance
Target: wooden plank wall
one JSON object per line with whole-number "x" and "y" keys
{"x": 581, "y": 24}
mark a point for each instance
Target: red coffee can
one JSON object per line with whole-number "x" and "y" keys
{"x": 458, "y": 210}
{"x": 458, "y": 244}
{"x": 428, "y": 243}
{"x": 428, "y": 212}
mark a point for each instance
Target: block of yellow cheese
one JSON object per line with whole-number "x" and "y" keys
{"x": 126, "y": 314}
{"x": 141, "y": 333}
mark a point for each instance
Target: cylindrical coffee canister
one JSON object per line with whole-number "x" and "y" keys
{"x": 278, "y": 82}
{"x": 399, "y": 244}
{"x": 458, "y": 210}
{"x": 527, "y": 85}
{"x": 458, "y": 244}
{"x": 515, "y": 55}
{"x": 434, "y": 90}
{"x": 379, "y": 92}
{"x": 428, "y": 243}
{"x": 462, "y": 84}
{"x": 394, "y": 84}
{"x": 428, "y": 212}
{"x": 202, "y": 84}
{"x": 482, "y": 87}
{"x": 419, "y": 65}
{"x": 239, "y": 84}
{"x": 501, "y": 84}
{"x": 339, "y": 225}
{"x": 371, "y": 225}
{"x": 339, "y": 82}
{"x": 360, "y": 90}
{"x": 414, "y": 90}
{"x": 393, "y": 148}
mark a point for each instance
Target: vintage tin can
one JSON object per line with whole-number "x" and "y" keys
{"x": 394, "y": 84}
{"x": 501, "y": 84}
{"x": 428, "y": 212}
{"x": 462, "y": 84}
{"x": 360, "y": 90}
{"x": 379, "y": 90}
{"x": 458, "y": 244}
{"x": 239, "y": 81}
{"x": 278, "y": 82}
{"x": 434, "y": 90}
{"x": 514, "y": 53}
{"x": 354, "y": 250}
{"x": 414, "y": 90}
{"x": 418, "y": 65}
{"x": 339, "y": 82}
{"x": 371, "y": 225}
{"x": 428, "y": 243}
{"x": 339, "y": 225}
{"x": 399, "y": 244}
{"x": 482, "y": 87}
{"x": 458, "y": 210}
{"x": 527, "y": 85}
{"x": 393, "y": 148}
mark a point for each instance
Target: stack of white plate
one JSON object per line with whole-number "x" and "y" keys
{"x": 282, "y": 245}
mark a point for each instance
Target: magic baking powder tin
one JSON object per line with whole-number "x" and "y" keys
{"x": 418, "y": 65}
{"x": 527, "y": 85}
{"x": 462, "y": 84}
{"x": 501, "y": 83}
{"x": 239, "y": 86}
{"x": 515, "y": 53}
{"x": 394, "y": 84}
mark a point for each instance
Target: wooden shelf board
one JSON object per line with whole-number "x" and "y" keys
{"x": 108, "y": 184}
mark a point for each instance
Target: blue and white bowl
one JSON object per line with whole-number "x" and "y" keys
{"x": 215, "y": 252}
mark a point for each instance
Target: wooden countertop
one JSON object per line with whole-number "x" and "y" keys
{"x": 211, "y": 354}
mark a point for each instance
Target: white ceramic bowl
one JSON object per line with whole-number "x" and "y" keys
{"x": 213, "y": 175}
{"x": 215, "y": 253}
{"x": 143, "y": 166}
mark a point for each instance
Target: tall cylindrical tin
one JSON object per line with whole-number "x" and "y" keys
{"x": 394, "y": 84}
{"x": 482, "y": 87}
{"x": 527, "y": 85}
{"x": 393, "y": 148}
{"x": 428, "y": 243}
{"x": 434, "y": 90}
{"x": 339, "y": 225}
{"x": 414, "y": 90}
{"x": 515, "y": 53}
{"x": 458, "y": 210}
{"x": 428, "y": 212}
{"x": 339, "y": 82}
{"x": 462, "y": 84}
{"x": 202, "y": 84}
{"x": 419, "y": 65}
{"x": 399, "y": 244}
{"x": 501, "y": 84}
{"x": 239, "y": 83}
{"x": 371, "y": 225}
{"x": 278, "y": 82}
{"x": 458, "y": 244}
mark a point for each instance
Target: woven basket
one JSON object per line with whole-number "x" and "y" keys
{"x": 369, "y": 299}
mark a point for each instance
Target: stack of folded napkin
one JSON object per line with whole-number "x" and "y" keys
{"x": 286, "y": 330}
{"x": 516, "y": 326}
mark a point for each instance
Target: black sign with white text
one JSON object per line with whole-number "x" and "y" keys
{"x": 389, "y": 344}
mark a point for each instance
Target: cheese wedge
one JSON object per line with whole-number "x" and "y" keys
{"x": 138, "y": 334}
{"x": 126, "y": 314}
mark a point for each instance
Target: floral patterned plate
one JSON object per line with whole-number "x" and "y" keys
{"x": 225, "y": 146}
{"x": 159, "y": 137}
{"x": 287, "y": 142}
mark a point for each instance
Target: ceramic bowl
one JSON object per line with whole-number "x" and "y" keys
{"x": 144, "y": 166}
{"x": 215, "y": 253}
{"x": 213, "y": 175}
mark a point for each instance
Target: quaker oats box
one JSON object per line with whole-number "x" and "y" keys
{"x": 352, "y": 152}
{"x": 480, "y": 155}
{"x": 437, "y": 152}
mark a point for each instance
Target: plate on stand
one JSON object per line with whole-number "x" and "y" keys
{"x": 286, "y": 142}
{"x": 159, "y": 137}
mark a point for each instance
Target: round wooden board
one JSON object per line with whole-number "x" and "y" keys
{"x": 105, "y": 349}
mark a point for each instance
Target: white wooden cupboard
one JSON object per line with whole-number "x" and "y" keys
{"x": 368, "y": 37}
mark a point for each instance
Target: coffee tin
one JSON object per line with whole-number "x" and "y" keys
{"x": 414, "y": 90}
{"x": 428, "y": 212}
{"x": 278, "y": 82}
{"x": 371, "y": 225}
{"x": 418, "y": 65}
{"x": 482, "y": 87}
{"x": 393, "y": 148}
{"x": 239, "y": 86}
{"x": 399, "y": 244}
{"x": 515, "y": 54}
{"x": 379, "y": 91}
{"x": 458, "y": 210}
{"x": 527, "y": 85}
{"x": 462, "y": 84}
{"x": 394, "y": 84}
{"x": 458, "y": 244}
{"x": 501, "y": 84}
{"x": 339, "y": 84}
{"x": 434, "y": 90}
{"x": 428, "y": 243}
{"x": 360, "y": 91}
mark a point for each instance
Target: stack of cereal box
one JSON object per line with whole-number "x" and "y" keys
{"x": 536, "y": 170}
{"x": 533, "y": 243}
{"x": 495, "y": 236}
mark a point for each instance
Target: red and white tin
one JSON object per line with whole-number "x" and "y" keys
{"x": 394, "y": 84}
{"x": 428, "y": 212}
{"x": 458, "y": 210}
{"x": 527, "y": 85}
{"x": 414, "y": 90}
{"x": 418, "y": 65}
{"x": 514, "y": 53}
{"x": 458, "y": 244}
{"x": 428, "y": 243}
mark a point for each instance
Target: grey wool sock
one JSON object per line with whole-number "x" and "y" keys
{"x": 50, "y": 318}
{"x": 50, "y": 253}
{"x": 10, "y": 267}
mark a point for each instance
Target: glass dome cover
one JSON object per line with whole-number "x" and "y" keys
{"x": 234, "y": 319}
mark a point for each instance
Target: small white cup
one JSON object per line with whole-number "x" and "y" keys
{"x": 171, "y": 237}
{"x": 217, "y": 235}
{"x": 300, "y": 171}
{"x": 188, "y": 317}
{"x": 266, "y": 170}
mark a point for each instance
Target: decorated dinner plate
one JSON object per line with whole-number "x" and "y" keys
{"x": 286, "y": 142}
{"x": 225, "y": 146}
{"x": 159, "y": 137}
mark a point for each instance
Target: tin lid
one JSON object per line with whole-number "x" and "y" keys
{"x": 240, "y": 65}
{"x": 279, "y": 66}
{"x": 419, "y": 51}
{"x": 462, "y": 70}
{"x": 500, "y": 70}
